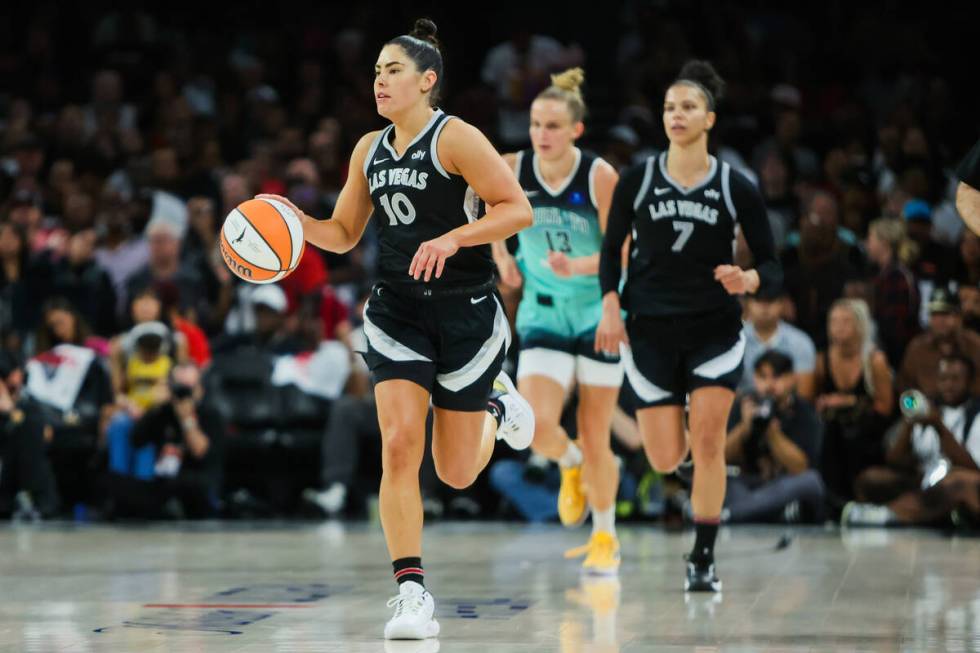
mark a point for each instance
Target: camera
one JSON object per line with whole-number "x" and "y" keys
{"x": 763, "y": 412}
{"x": 181, "y": 391}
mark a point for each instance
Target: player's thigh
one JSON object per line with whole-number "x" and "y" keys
{"x": 662, "y": 429}
{"x": 546, "y": 396}
{"x": 457, "y": 436}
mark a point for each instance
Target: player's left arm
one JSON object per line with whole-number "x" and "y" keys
{"x": 464, "y": 150}
{"x": 604, "y": 183}
{"x": 752, "y": 216}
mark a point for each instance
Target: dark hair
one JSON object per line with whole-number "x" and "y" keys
{"x": 779, "y": 362}
{"x": 703, "y": 76}
{"x": 24, "y": 255}
{"x": 971, "y": 369}
{"x": 45, "y": 339}
{"x": 422, "y": 47}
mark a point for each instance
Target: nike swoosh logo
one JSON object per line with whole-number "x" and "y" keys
{"x": 531, "y": 193}
{"x": 473, "y": 300}
{"x": 660, "y": 191}
{"x": 381, "y": 160}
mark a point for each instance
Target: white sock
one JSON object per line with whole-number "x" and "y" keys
{"x": 571, "y": 457}
{"x": 604, "y": 520}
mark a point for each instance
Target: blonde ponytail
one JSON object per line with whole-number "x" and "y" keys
{"x": 567, "y": 87}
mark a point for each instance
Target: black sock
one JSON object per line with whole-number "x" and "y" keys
{"x": 705, "y": 533}
{"x": 408, "y": 569}
{"x": 496, "y": 410}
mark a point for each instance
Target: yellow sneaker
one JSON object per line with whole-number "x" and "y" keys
{"x": 601, "y": 554}
{"x": 573, "y": 508}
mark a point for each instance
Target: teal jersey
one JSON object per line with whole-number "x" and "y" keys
{"x": 565, "y": 220}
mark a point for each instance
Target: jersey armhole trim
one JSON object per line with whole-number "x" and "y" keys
{"x": 726, "y": 190}
{"x": 434, "y": 148}
{"x": 374, "y": 148}
{"x": 592, "y": 195}
{"x": 645, "y": 186}
{"x": 518, "y": 161}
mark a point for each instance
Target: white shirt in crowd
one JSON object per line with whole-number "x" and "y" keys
{"x": 925, "y": 439}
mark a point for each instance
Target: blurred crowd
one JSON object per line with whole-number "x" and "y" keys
{"x": 140, "y": 378}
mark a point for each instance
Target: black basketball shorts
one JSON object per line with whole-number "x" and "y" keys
{"x": 670, "y": 357}
{"x": 452, "y": 345}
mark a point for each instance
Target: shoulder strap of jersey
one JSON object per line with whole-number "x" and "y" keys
{"x": 726, "y": 188}
{"x": 375, "y": 144}
{"x": 525, "y": 170}
{"x": 434, "y": 143}
{"x": 648, "y": 173}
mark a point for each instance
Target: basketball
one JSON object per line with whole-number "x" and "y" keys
{"x": 262, "y": 240}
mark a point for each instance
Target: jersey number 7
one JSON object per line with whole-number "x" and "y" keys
{"x": 684, "y": 229}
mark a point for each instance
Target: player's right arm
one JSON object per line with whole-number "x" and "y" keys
{"x": 611, "y": 332}
{"x": 345, "y": 227}
{"x": 510, "y": 274}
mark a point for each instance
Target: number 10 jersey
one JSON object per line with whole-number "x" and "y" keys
{"x": 416, "y": 199}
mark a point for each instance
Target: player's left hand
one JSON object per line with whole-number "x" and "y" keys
{"x": 431, "y": 257}
{"x": 560, "y": 264}
{"x": 735, "y": 280}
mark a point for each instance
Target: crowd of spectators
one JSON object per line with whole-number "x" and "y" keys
{"x": 140, "y": 378}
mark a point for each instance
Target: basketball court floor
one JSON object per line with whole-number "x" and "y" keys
{"x": 269, "y": 588}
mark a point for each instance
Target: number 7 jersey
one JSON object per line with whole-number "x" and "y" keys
{"x": 566, "y": 220}
{"x": 416, "y": 199}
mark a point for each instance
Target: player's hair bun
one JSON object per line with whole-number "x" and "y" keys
{"x": 704, "y": 74}
{"x": 425, "y": 30}
{"x": 570, "y": 80}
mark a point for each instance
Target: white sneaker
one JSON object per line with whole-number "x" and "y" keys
{"x": 331, "y": 501}
{"x": 414, "y": 609}
{"x": 517, "y": 423}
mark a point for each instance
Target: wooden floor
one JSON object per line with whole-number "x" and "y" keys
{"x": 261, "y": 588}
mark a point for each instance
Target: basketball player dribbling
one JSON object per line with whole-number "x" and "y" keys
{"x": 683, "y": 334}
{"x": 435, "y": 325}
{"x": 558, "y": 260}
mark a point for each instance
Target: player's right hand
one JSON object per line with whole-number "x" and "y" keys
{"x": 279, "y": 198}
{"x": 611, "y": 333}
{"x": 510, "y": 274}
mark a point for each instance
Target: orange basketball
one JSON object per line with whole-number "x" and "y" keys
{"x": 262, "y": 240}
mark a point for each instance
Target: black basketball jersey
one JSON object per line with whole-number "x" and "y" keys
{"x": 415, "y": 199}
{"x": 680, "y": 235}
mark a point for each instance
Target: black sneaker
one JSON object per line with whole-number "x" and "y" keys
{"x": 701, "y": 577}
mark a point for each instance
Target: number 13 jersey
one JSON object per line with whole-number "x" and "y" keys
{"x": 566, "y": 220}
{"x": 416, "y": 199}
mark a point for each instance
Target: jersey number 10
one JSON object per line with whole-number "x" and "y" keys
{"x": 398, "y": 208}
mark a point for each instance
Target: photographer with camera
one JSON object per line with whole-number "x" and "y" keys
{"x": 774, "y": 438}
{"x": 174, "y": 460}
{"x": 933, "y": 466}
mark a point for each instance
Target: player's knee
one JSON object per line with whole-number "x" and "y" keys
{"x": 707, "y": 447}
{"x": 458, "y": 476}
{"x": 665, "y": 459}
{"x": 400, "y": 450}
